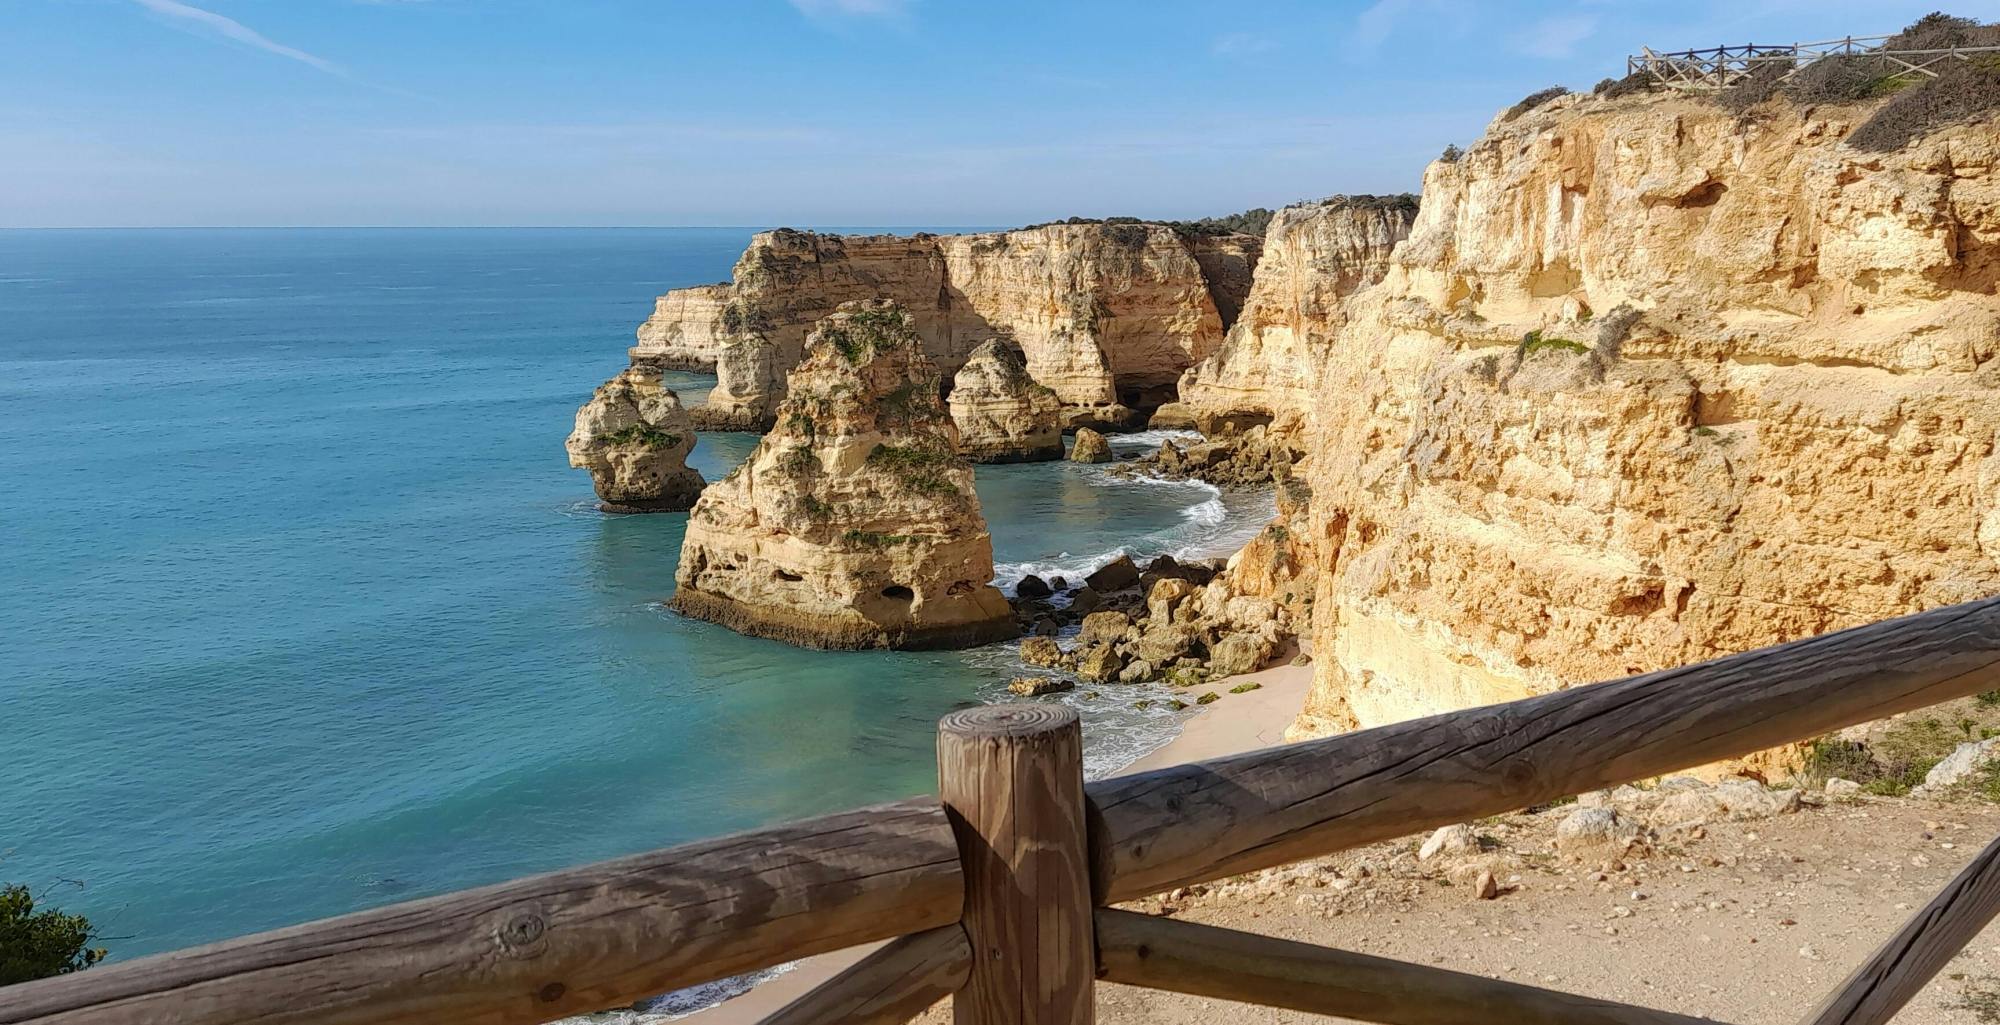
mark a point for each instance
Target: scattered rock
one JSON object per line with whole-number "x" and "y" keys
{"x": 1592, "y": 828}
{"x": 1137, "y": 671}
{"x": 1085, "y": 601}
{"x": 1032, "y": 586}
{"x": 1842, "y": 789}
{"x": 1036, "y": 686}
{"x": 1090, "y": 447}
{"x": 1208, "y": 698}
{"x": 1116, "y": 575}
{"x": 1099, "y": 664}
{"x": 1958, "y": 766}
{"x": 1486, "y": 887}
{"x": 1458, "y": 839}
{"x": 1302, "y": 659}
{"x": 1247, "y": 687}
{"x": 1104, "y": 627}
{"x": 1043, "y": 652}
{"x": 1240, "y": 653}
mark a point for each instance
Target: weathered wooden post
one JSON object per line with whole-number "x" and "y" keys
{"x": 1011, "y": 780}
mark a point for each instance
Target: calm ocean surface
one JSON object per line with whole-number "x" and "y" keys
{"x": 302, "y": 610}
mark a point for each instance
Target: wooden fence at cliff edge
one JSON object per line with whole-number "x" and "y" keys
{"x": 1722, "y": 66}
{"x": 997, "y": 891}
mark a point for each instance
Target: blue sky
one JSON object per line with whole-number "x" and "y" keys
{"x": 762, "y": 112}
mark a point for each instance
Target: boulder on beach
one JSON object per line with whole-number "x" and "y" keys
{"x": 1090, "y": 447}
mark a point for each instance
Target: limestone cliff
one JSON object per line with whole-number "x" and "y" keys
{"x": 1004, "y": 415}
{"x": 687, "y": 329}
{"x": 854, "y": 523}
{"x": 1107, "y": 314}
{"x": 1650, "y": 383}
{"x": 1315, "y": 255}
{"x": 634, "y": 438}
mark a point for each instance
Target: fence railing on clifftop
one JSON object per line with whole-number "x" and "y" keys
{"x": 1722, "y": 66}
{"x": 996, "y": 892}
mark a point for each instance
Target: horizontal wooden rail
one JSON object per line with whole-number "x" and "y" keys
{"x": 1197, "y": 822}
{"x": 548, "y": 946}
{"x": 890, "y": 986}
{"x": 1185, "y": 957}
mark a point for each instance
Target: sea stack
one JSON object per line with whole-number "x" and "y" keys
{"x": 1002, "y": 414}
{"x": 634, "y": 438}
{"x": 854, "y": 523}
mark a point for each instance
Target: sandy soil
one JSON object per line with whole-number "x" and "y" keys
{"x": 1748, "y": 922}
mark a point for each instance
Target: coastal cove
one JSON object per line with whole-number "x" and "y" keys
{"x": 307, "y": 613}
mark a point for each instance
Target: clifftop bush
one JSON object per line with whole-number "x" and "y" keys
{"x": 37, "y": 944}
{"x": 1533, "y": 100}
{"x": 1918, "y": 104}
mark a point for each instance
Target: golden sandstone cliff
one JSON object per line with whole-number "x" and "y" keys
{"x": 854, "y": 523}
{"x": 1108, "y": 315}
{"x": 1314, "y": 256}
{"x": 1651, "y": 382}
{"x": 634, "y": 438}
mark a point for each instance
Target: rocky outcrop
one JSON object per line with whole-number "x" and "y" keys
{"x": 1649, "y": 384}
{"x": 1108, "y": 315}
{"x": 1090, "y": 447}
{"x": 687, "y": 329}
{"x": 1003, "y": 414}
{"x": 854, "y": 523}
{"x": 1315, "y": 255}
{"x": 634, "y": 438}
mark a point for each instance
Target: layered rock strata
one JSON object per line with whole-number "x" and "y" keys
{"x": 854, "y": 523}
{"x": 1651, "y": 383}
{"x": 1107, "y": 315}
{"x": 634, "y": 438}
{"x": 1315, "y": 255}
{"x": 1004, "y": 415}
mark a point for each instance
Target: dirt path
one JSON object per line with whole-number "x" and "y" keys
{"x": 1752, "y": 922}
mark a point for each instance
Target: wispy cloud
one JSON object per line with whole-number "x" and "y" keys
{"x": 1242, "y": 44}
{"x": 1382, "y": 19}
{"x": 197, "y": 19}
{"x": 1554, "y": 37}
{"x": 852, "y": 8}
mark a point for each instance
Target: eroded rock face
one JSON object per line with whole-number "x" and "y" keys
{"x": 1649, "y": 385}
{"x": 1315, "y": 255}
{"x": 634, "y": 438}
{"x": 1003, "y": 414}
{"x": 687, "y": 329}
{"x": 1107, "y": 315}
{"x": 854, "y": 523}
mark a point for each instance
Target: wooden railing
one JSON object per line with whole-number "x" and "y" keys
{"x": 1722, "y": 66}
{"x": 996, "y": 892}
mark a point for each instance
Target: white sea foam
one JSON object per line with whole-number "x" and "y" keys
{"x": 682, "y": 1002}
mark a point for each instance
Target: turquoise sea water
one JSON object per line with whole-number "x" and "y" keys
{"x": 302, "y": 610}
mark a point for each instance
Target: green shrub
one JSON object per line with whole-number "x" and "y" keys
{"x": 1533, "y": 100}
{"x": 1960, "y": 93}
{"x": 38, "y": 944}
{"x": 644, "y": 434}
{"x": 816, "y": 508}
{"x": 873, "y": 539}
{"x": 1535, "y": 341}
{"x": 1636, "y": 82}
{"x": 1452, "y": 154}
